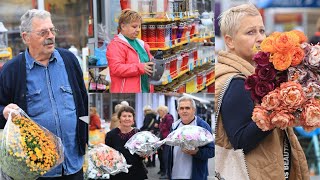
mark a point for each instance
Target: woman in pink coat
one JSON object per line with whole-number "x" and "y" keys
{"x": 129, "y": 57}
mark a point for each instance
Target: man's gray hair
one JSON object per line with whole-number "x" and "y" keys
{"x": 185, "y": 98}
{"x": 26, "y": 19}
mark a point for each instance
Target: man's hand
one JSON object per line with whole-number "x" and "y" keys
{"x": 190, "y": 152}
{"x": 8, "y": 108}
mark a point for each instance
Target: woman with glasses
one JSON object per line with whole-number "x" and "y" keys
{"x": 47, "y": 83}
{"x": 129, "y": 57}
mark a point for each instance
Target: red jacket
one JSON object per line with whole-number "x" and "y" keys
{"x": 125, "y": 66}
{"x": 95, "y": 122}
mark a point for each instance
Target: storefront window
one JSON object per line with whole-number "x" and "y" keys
{"x": 71, "y": 18}
{"x": 10, "y": 14}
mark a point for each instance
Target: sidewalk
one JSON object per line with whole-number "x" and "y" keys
{"x": 152, "y": 171}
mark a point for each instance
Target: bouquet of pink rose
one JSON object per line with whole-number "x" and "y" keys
{"x": 105, "y": 160}
{"x": 286, "y": 83}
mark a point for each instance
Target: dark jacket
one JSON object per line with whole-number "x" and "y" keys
{"x": 199, "y": 160}
{"x": 117, "y": 140}
{"x": 13, "y": 87}
{"x": 149, "y": 120}
{"x": 315, "y": 39}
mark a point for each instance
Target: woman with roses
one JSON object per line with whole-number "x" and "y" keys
{"x": 273, "y": 154}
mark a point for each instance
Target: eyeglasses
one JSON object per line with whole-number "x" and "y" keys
{"x": 44, "y": 33}
{"x": 184, "y": 108}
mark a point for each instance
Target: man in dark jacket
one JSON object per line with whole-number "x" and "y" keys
{"x": 47, "y": 83}
{"x": 189, "y": 164}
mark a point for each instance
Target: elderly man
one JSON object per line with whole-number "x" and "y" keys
{"x": 189, "y": 164}
{"x": 47, "y": 83}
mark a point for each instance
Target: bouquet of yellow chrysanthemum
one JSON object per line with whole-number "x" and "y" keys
{"x": 28, "y": 150}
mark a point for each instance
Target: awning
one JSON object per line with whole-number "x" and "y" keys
{"x": 288, "y": 3}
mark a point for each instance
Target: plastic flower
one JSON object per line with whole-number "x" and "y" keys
{"x": 292, "y": 95}
{"x": 143, "y": 143}
{"x": 105, "y": 160}
{"x": 271, "y": 101}
{"x": 189, "y": 137}
{"x": 261, "y": 118}
{"x": 282, "y": 119}
{"x": 311, "y": 113}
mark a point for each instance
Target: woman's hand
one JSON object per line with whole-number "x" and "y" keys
{"x": 148, "y": 68}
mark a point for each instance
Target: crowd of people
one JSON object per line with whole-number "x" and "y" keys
{"x": 174, "y": 161}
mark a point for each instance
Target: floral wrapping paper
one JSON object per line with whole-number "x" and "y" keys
{"x": 28, "y": 150}
{"x": 143, "y": 143}
{"x": 105, "y": 161}
{"x": 189, "y": 137}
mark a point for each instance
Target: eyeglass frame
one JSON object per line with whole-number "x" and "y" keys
{"x": 45, "y": 32}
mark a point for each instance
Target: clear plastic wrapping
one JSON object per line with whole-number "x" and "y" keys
{"x": 189, "y": 137}
{"x": 143, "y": 143}
{"x": 105, "y": 160}
{"x": 28, "y": 150}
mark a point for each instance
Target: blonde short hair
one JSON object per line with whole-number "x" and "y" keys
{"x": 128, "y": 16}
{"x": 163, "y": 108}
{"x": 117, "y": 107}
{"x": 93, "y": 110}
{"x": 229, "y": 20}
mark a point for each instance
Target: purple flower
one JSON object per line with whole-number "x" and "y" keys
{"x": 262, "y": 58}
{"x": 266, "y": 73}
{"x": 263, "y": 88}
{"x": 251, "y": 82}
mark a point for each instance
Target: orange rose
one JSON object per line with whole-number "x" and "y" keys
{"x": 267, "y": 45}
{"x": 302, "y": 37}
{"x": 271, "y": 101}
{"x": 281, "y": 61}
{"x": 282, "y": 119}
{"x": 298, "y": 55}
{"x": 311, "y": 113}
{"x": 292, "y": 95}
{"x": 261, "y": 118}
{"x": 285, "y": 42}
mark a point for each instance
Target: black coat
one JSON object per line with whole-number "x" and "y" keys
{"x": 117, "y": 140}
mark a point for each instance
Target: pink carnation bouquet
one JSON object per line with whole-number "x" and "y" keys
{"x": 189, "y": 137}
{"x": 286, "y": 82}
{"x": 143, "y": 143}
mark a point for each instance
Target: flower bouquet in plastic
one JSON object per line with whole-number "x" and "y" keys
{"x": 286, "y": 83}
{"x": 28, "y": 150}
{"x": 105, "y": 160}
{"x": 143, "y": 143}
{"x": 189, "y": 137}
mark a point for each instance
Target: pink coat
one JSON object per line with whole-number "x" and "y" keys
{"x": 125, "y": 66}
